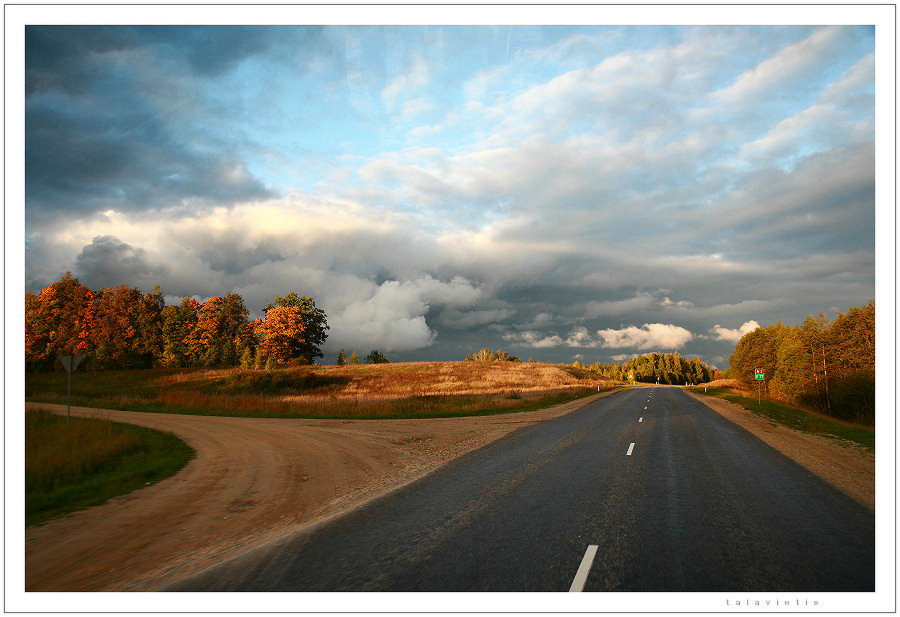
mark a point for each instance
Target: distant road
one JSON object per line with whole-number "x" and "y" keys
{"x": 647, "y": 490}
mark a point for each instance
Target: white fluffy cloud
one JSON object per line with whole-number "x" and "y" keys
{"x": 393, "y": 317}
{"x": 733, "y": 336}
{"x": 648, "y": 336}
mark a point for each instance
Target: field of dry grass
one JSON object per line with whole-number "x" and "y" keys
{"x": 415, "y": 389}
{"x": 400, "y": 379}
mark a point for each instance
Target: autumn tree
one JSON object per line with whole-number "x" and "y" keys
{"x": 234, "y": 334}
{"x": 178, "y": 324}
{"x": 487, "y": 355}
{"x": 58, "y": 322}
{"x": 126, "y": 330}
{"x": 827, "y": 366}
{"x": 283, "y": 332}
{"x": 315, "y": 323}
{"x": 757, "y": 349}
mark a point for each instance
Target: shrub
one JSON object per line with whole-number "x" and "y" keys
{"x": 486, "y": 355}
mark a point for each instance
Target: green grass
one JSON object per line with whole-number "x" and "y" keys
{"x": 798, "y": 419}
{"x": 73, "y": 466}
{"x": 273, "y": 394}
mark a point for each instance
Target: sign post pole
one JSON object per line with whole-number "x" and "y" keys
{"x": 69, "y": 362}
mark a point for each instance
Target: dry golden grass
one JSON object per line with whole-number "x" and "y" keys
{"x": 406, "y": 389}
{"x": 732, "y": 384}
{"x": 405, "y": 379}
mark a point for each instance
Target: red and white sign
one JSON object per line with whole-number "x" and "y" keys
{"x": 760, "y": 373}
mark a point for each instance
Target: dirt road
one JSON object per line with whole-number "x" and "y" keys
{"x": 252, "y": 480}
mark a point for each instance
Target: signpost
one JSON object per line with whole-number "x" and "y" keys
{"x": 760, "y": 376}
{"x": 69, "y": 362}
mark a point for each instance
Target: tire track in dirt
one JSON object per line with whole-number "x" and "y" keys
{"x": 251, "y": 481}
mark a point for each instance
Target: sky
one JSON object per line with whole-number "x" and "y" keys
{"x": 561, "y": 192}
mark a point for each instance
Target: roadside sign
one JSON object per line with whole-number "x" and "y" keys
{"x": 70, "y": 362}
{"x": 760, "y": 374}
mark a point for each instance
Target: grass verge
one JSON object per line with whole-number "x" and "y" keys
{"x": 805, "y": 421}
{"x": 82, "y": 464}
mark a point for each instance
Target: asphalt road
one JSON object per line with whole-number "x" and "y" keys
{"x": 646, "y": 490}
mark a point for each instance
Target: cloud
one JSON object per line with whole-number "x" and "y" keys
{"x": 578, "y": 190}
{"x": 534, "y": 339}
{"x": 648, "y": 336}
{"x": 784, "y": 66}
{"x": 71, "y": 58}
{"x": 642, "y": 302}
{"x": 113, "y": 149}
{"x": 733, "y": 336}
{"x": 417, "y": 77}
{"x": 860, "y": 76}
{"x": 120, "y": 117}
{"x": 392, "y": 318}
{"x": 109, "y": 262}
{"x": 456, "y": 319}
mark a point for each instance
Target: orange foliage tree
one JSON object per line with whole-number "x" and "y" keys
{"x": 282, "y": 337}
{"x": 58, "y": 321}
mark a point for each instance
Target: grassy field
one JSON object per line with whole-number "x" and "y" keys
{"x": 401, "y": 390}
{"x": 806, "y": 421}
{"x": 74, "y": 466}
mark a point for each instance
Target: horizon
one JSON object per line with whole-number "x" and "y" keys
{"x": 586, "y": 193}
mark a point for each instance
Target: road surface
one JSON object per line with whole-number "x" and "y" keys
{"x": 647, "y": 490}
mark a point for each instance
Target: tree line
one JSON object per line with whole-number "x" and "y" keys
{"x": 122, "y": 327}
{"x": 669, "y": 368}
{"x": 828, "y": 366}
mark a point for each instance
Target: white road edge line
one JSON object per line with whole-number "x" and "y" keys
{"x": 584, "y": 569}
{"x": 630, "y": 449}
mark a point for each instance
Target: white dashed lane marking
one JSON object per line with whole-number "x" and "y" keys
{"x": 630, "y": 449}
{"x": 584, "y": 569}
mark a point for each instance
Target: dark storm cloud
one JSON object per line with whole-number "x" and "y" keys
{"x": 89, "y": 160}
{"x": 108, "y": 262}
{"x": 67, "y": 57}
{"x": 97, "y": 138}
